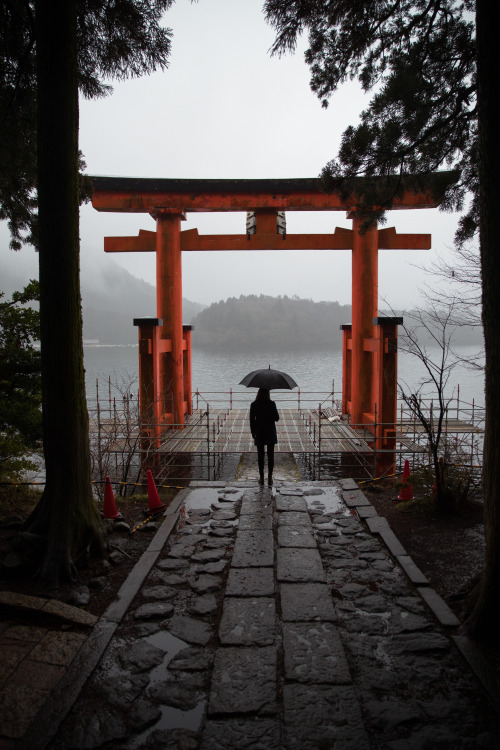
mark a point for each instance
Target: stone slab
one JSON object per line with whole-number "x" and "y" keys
{"x": 253, "y": 549}
{"x": 247, "y": 622}
{"x": 172, "y": 564}
{"x": 206, "y": 604}
{"x": 244, "y": 681}
{"x": 190, "y": 630}
{"x": 20, "y": 704}
{"x": 228, "y": 734}
{"x": 412, "y": 571}
{"x": 377, "y": 524}
{"x": 299, "y": 565}
{"x": 57, "y": 647}
{"x": 250, "y": 582}
{"x": 252, "y": 504}
{"x": 392, "y": 542}
{"x": 322, "y": 716}
{"x": 191, "y": 659}
{"x": 153, "y": 611}
{"x": 416, "y": 643}
{"x": 204, "y": 584}
{"x": 224, "y": 515}
{"x": 256, "y": 521}
{"x": 305, "y": 602}
{"x": 439, "y": 607}
{"x": 366, "y": 511}
{"x": 211, "y": 568}
{"x": 354, "y": 498}
{"x": 290, "y": 502}
{"x": 296, "y": 536}
{"x": 294, "y": 518}
{"x": 348, "y": 484}
{"x": 65, "y": 693}
{"x": 314, "y": 654}
{"x": 209, "y": 555}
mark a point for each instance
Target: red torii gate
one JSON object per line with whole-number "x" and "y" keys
{"x": 369, "y": 344}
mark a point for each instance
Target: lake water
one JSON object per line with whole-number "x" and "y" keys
{"x": 214, "y": 374}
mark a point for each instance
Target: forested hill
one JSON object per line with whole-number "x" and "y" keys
{"x": 270, "y": 323}
{"x": 289, "y": 323}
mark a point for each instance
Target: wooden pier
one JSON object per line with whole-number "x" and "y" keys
{"x": 228, "y": 431}
{"x": 299, "y": 431}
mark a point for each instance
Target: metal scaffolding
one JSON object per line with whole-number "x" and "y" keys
{"x": 311, "y": 427}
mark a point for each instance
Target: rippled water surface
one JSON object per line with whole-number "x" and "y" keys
{"x": 215, "y": 374}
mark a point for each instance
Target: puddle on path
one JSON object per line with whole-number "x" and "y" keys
{"x": 168, "y": 643}
{"x": 205, "y": 497}
{"x": 171, "y": 718}
{"x": 174, "y": 718}
{"x": 329, "y": 501}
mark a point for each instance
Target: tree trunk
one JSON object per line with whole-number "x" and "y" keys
{"x": 484, "y": 621}
{"x": 66, "y": 515}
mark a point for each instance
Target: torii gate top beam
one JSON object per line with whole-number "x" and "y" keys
{"x": 147, "y": 195}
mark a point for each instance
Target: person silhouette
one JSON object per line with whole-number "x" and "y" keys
{"x": 263, "y": 418}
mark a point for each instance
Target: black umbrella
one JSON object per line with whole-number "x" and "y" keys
{"x": 268, "y": 379}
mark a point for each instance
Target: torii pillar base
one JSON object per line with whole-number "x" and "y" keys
{"x": 381, "y": 416}
{"x": 155, "y": 405}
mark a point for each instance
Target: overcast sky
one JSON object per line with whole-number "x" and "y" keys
{"x": 226, "y": 109}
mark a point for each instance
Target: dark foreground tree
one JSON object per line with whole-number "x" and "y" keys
{"x": 432, "y": 86}
{"x": 66, "y": 516}
{"x": 484, "y": 621}
{"x": 51, "y": 48}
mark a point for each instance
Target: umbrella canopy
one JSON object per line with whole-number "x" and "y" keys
{"x": 269, "y": 379}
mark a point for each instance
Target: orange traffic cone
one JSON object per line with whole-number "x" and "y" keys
{"x": 406, "y": 491}
{"x": 154, "y": 502}
{"x": 109, "y": 506}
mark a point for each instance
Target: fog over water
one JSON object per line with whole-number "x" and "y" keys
{"x": 214, "y": 374}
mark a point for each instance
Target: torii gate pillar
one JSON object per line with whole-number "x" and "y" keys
{"x": 169, "y": 377}
{"x": 364, "y": 309}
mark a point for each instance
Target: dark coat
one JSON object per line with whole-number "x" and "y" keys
{"x": 263, "y": 418}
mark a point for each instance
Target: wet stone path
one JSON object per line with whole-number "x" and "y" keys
{"x": 279, "y": 619}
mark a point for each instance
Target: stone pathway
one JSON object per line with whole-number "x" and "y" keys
{"x": 289, "y": 618}
{"x": 34, "y": 657}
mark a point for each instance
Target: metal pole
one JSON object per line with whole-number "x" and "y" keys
{"x": 446, "y": 431}
{"x": 99, "y": 453}
{"x": 208, "y": 441}
{"x": 472, "y": 437}
{"x": 230, "y": 398}
{"x": 319, "y": 442}
{"x": 375, "y": 442}
{"x": 458, "y": 401}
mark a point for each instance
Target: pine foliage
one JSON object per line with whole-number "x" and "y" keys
{"x": 20, "y": 381}
{"x": 418, "y": 58}
{"x": 116, "y": 39}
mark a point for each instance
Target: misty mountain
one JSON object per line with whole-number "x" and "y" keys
{"x": 270, "y": 323}
{"x": 111, "y": 303}
{"x": 288, "y": 323}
